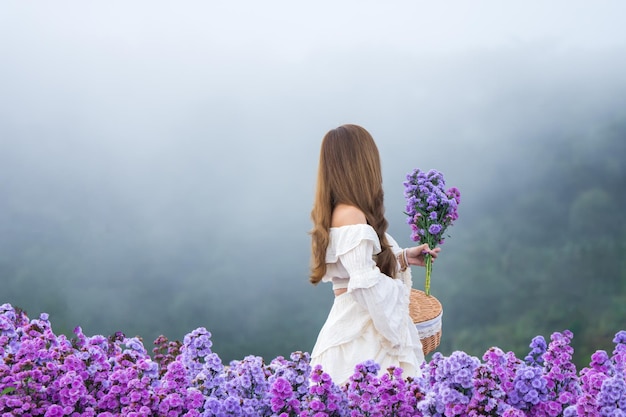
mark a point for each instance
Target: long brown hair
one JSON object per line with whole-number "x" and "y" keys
{"x": 350, "y": 173}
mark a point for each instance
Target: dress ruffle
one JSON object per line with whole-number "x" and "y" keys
{"x": 345, "y": 238}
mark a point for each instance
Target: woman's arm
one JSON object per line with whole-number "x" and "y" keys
{"x": 384, "y": 299}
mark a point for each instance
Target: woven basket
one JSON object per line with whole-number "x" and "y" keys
{"x": 426, "y": 312}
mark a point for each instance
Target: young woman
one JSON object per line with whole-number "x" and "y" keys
{"x": 369, "y": 272}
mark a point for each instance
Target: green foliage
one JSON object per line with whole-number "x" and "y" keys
{"x": 550, "y": 257}
{"x": 7, "y": 390}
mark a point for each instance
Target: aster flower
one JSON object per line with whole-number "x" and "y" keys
{"x": 42, "y": 374}
{"x": 560, "y": 373}
{"x": 397, "y": 396}
{"x": 451, "y": 385}
{"x": 362, "y": 389}
{"x": 165, "y": 352}
{"x": 325, "y": 398}
{"x": 247, "y": 380}
{"x": 296, "y": 372}
{"x": 431, "y": 209}
{"x": 538, "y": 347}
{"x": 619, "y": 353}
{"x": 612, "y": 396}
{"x": 530, "y": 388}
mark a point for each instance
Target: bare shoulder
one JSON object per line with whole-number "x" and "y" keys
{"x": 344, "y": 215}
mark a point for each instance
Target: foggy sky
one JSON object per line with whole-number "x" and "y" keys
{"x": 181, "y": 120}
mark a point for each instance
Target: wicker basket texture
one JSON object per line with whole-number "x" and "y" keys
{"x": 426, "y": 309}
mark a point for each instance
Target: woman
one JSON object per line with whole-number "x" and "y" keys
{"x": 369, "y": 272}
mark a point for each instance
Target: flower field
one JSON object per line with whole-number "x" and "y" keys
{"x": 43, "y": 374}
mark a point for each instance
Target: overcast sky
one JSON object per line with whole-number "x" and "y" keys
{"x": 213, "y": 105}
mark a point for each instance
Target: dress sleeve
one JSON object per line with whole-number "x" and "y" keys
{"x": 405, "y": 275}
{"x": 385, "y": 299}
{"x": 394, "y": 245}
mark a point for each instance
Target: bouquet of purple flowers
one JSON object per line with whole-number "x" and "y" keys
{"x": 431, "y": 209}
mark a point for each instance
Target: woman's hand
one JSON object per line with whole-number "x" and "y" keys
{"x": 415, "y": 255}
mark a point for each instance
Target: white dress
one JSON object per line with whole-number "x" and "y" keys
{"x": 371, "y": 320}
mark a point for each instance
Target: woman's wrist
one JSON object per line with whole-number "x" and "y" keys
{"x": 402, "y": 260}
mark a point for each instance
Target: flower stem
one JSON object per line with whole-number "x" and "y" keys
{"x": 429, "y": 267}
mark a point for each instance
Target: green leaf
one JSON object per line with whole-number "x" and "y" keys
{"x": 7, "y": 390}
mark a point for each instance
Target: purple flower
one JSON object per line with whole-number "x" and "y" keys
{"x": 620, "y": 337}
{"x": 324, "y": 397}
{"x": 454, "y": 194}
{"x": 530, "y": 387}
{"x": 538, "y": 348}
{"x": 434, "y": 229}
{"x": 560, "y": 373}
{"x": 612, "y": 396}
{"x": 430, "y": 210}
{"x": 48, "y": 375}
{"x": 55, "y": 411}
{"x": 135, "y": 345}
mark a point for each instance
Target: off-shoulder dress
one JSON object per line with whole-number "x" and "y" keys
{"x": 371, "y": 320}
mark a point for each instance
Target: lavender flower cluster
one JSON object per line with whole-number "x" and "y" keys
{"x": 43, "y": 374}
{"x": 430, "y": 208}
